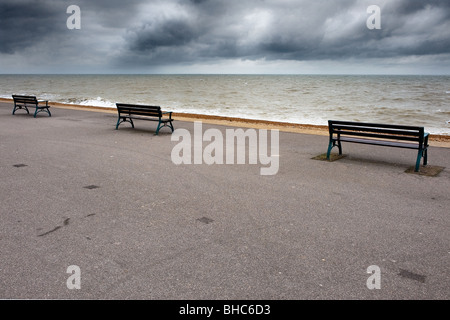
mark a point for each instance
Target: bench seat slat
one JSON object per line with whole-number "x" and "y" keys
{"x": 408, "y": 132}
{"x": 381, "y": 136}
{"x": 146, "y": 118}
{"x": 380, "y": 142}
{"x": 374, "y": 125}
{"x": 140, "y": 113}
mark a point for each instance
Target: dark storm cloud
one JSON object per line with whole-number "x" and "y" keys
{"x": 156, "y": 32}
{"x": 171, "y": 33}
{"x": 291, "y": 30}
{"x": 24, "y": 23}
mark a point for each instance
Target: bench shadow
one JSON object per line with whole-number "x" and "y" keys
{"x": 25, "y": 115}
{"x": 140, "y": 130}
{"x": 427, "y": 170}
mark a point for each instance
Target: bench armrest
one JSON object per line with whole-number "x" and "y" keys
{"x": 169, "y": 113}
{"x": 46, "y": 101}
{"x": 425, "y": 141}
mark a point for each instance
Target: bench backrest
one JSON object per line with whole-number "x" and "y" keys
{"x": 24, "y": 99}
{"x": 376, "y": 130}
{"x": 141, "y": 110}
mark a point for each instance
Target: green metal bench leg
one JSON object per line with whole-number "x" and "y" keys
{"x": 42, "y": 110}
{"x": 170, "y": 125}
{"x": 18, "y": 108}
{"x": 333, "y": 144}
{"x": 330, "y": 146}
{"x": 124, "y": 119}
{"x": 424, "y": 154}
{"x": 159, "y": 127}
{"x": 419, "y": 156}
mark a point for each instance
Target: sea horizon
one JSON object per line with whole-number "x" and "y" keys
{"x": 230, "y": 74}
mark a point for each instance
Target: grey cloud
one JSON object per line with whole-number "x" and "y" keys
{"x": 25, "y": 23}
{"x": 170, "y": 33}
{"x": 404, "y": 7}
{"x": 114, "y": 14}
{"x": 297, "y": 32}
{"x": 153, "y": 33}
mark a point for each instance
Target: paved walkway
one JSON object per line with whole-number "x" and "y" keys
{"x": 74, "y": 191}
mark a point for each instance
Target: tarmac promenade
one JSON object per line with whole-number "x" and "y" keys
{"x": 77, "y": 192}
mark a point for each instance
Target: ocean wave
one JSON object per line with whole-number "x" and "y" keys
{"x": 97, "y": 102}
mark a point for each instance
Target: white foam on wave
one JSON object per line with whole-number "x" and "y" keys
{"x": 98, "y": 102}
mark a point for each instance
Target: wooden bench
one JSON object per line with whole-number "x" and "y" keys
{"x": 128, "y": 112}
{"x": 23, "y": 102}
{"x": 399, "y": 136}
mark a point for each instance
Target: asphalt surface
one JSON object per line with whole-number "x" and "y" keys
{"x": 76, "y": 192}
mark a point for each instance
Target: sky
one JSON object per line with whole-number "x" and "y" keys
{"x": 225, "y": 36}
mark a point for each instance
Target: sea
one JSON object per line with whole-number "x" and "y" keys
{"x": 303, "y": 99}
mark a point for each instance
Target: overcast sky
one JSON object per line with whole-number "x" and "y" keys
{"x": 225, "y": 36}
